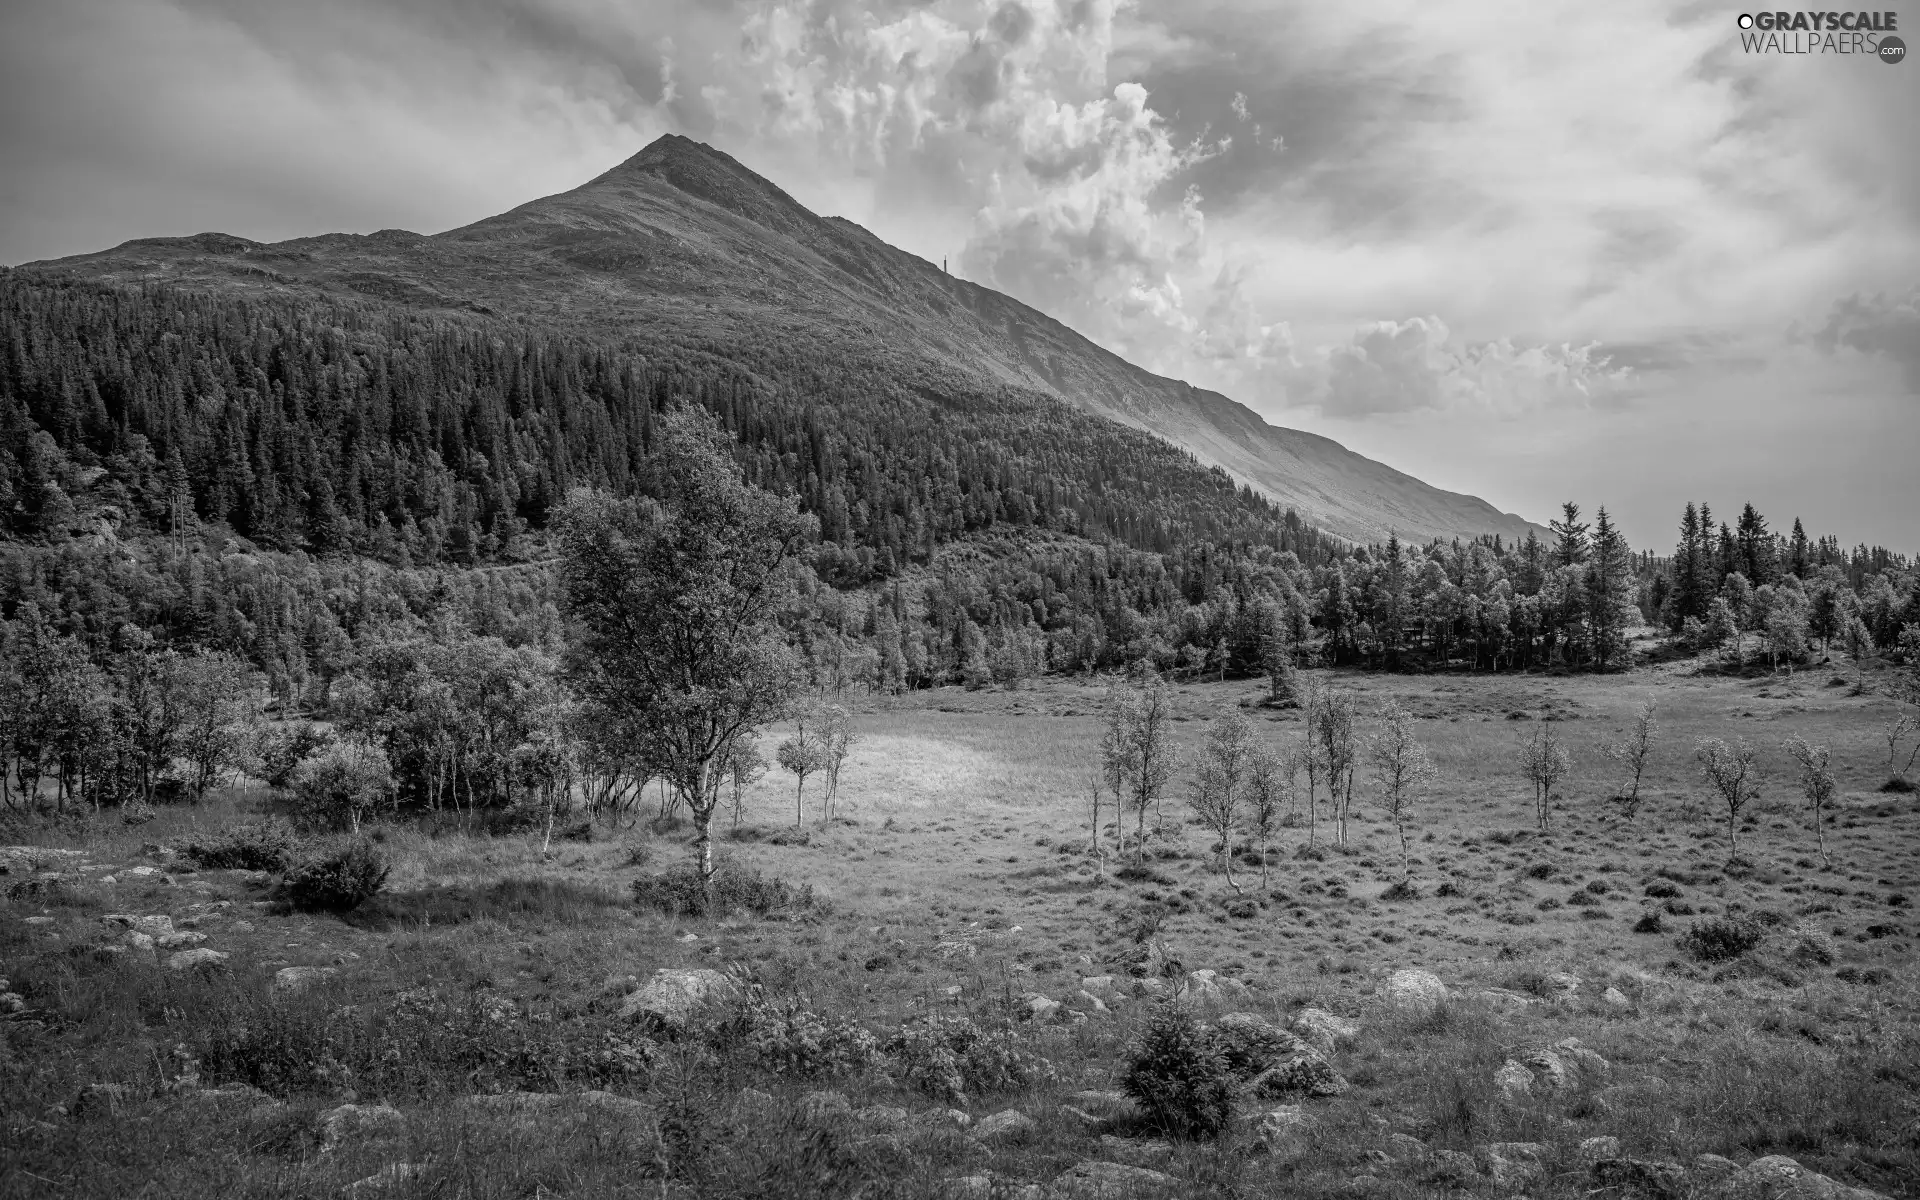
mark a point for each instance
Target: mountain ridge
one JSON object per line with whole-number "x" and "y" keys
{"x": 683, "y": 241}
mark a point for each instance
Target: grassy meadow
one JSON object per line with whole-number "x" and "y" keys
{"x": 958, "y": 882}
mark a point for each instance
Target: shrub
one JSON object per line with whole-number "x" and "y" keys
{"x": 1404, "y": 889}
{"x": 1719, "y": 939}
{"x": 1178, "y": 1077}
{"x": 1543, "y": 870}
{"x": 788, "y": 1037}
{"x": 948, "y": 1057}
{"x": 1650, "y": 923}
{"x": 255, "y": 846}
{"x": 339, "y": 882}
{"x": 339, "y": 787}
{"x": 279, "y": 747}
{"x": 679, "y": 892}
{"x": 1661, "y": 889}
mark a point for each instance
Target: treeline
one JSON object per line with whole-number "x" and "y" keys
{"x": 339, "y": 428}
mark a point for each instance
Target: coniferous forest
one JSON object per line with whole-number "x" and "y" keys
{"x": 333, "y": 491}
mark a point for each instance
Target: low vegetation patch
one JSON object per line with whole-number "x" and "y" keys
{"x": 341, "y": 881}
{"x": 679, "y": 892}
{"x": 1722, "y": 939}
{"x": 255, "y": 846}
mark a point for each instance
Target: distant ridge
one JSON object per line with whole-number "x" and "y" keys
{"x": 684, "y": 242}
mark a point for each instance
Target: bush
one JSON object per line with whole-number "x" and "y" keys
{"x": 678, "y": 892}
{"x": 339, "y": 882}
{"x": 1719, "y": 939}
{"x": 339, "y": 787}
{"x": 1661, "y": 889}
{"x": 1404, "y": 889}
{"x": 1177, "y": 1076}
{"x": 255, "y": 846}
{"x": 279, "y": 747}
{"x": 788, "y": 1037}
{"x": 950, "y": 1057}
{"x": 1650, "y": 923}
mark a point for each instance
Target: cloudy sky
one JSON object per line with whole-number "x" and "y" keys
{"x": 1531, "y": 251}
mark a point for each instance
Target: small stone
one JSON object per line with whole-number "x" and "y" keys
{"x": 1089, "y": 1003}
{"x": 1008, "y": 1125}
{"x": 1404, "y": 1147}
{"x": 1307, "y": 1073}
{"x": 1514, "y": 1081}
{"x": 1512, "y": 1164}
{"x": 295, "y": 979}
{"x": 1324, "y": 1031}
{"x": 1450, "y": 1168}
{"x": 1095, "y": 1180}
{"x": 1563, "y": 985}
{"x": 1508, "y": 999}
{"x": 1593, "y": 1149}
{"x": 358, "y": 1122}
{"x": 1414, "y": 990}
{"x": 1285, "y": 1133}
{"x": 1641, "y": 1177}
{"x": 1713, "y": 1165}
{"x": 173, "y": 941}
{"x": 137, "y": 940}
{"x": 883, "y": 1117}
{"x": 203, "y": 957}
{"x": 1135, "y": 1152}
{"x": 241, "y": 927}
{"x": 391, "y": 1176}
{"x": 155, "y": 924}
{"x": 140, "y": 872}
{"x": 1614, "y": 998}
{"x": 825, "y": 1108}
{"x": 1040, "y": 1008}
{"x": 37, "y": 920}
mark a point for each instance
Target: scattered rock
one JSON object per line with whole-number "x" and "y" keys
{"x": 358, "y": 1122}
{"x": 1563, "y": 985}
{"x": 1136, "y": 1152}
{"x": 1414, "y": 990}
{"x": 1041, "y": 1008}
{"x": 1008, "y": 1125}
{"x": 1505, "y": 998}
{"x": 1285, "y": 1133}
{"x": 1324, "y": 1031}
{"x": 883, "y": 1117}
{"x": 296, "y": 979}
{"x": 1113, "y": 1106}
{"x": 1713, "y": 1165}
{"x": 37, "y": 920}
{"x": 755, "y": 1102}
{"x": 203, "y": 957}
{"x": 1251, "y": 1045}
{"x": 1614, "y": 998}
{"x": 969, "y": 1187}
{"x": 1088, "y": 1003}
{"x": 153, "y": 925}
{"x": 1404, "y": 1147}
{"x": 1203, "y": 985}
{"x": 230, "y": 1095}
{"x": 135, "y": 940}
{"x": 1641, "y": 1177}
{"x": 1777, "y": 1177}
{"x": 1592, "y": 1068}
{"x": 1514, "y": 1081}
{"x": 102, "y": 1100}
{"x": 825, "y": 1108}
{"x": 1307, "y": 1073}
{"x": 1104, "y": 987}
{"x": 387, "y": 1177}
{"x": 184, "y": 937}
{"x": 1094, "y": 1180}
{"x": 1593, "y": 1149}
{"x": 1549, "y": 1072}
{"x": 1450, "y": 1168}
{"x": 1512, "y": 1164}
{"x": 671, "y": 997}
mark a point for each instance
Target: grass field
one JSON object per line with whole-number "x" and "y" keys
{"x": 960, "y": 882}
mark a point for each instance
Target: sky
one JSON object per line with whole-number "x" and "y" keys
{"x": 1535, "y": 252}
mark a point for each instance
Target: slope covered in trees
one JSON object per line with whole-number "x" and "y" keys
{"x": 683, "y": 249}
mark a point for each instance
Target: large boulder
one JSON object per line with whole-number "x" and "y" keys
{"x": 1095, "y": 1180}
{"x": 1324, "y": 1031}
{"x": 1414, "y": 990}
{"x": 673, "y": 995}
{"x": 1777, "y": 1177}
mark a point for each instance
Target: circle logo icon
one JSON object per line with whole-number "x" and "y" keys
{"x": 1892, "y": 49}
{"x": 1745, "y": 21}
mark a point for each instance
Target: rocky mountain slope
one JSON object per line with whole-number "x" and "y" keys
{"x": 683, "y": 244}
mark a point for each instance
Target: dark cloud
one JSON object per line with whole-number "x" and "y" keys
{"x": 1883, "y": 325}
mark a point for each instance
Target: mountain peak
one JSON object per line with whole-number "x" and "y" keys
{"x": 699, "y": 170}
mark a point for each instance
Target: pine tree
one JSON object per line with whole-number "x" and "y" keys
{"x": 1610, "y": 607}
{"x": 1571, "y": 549}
